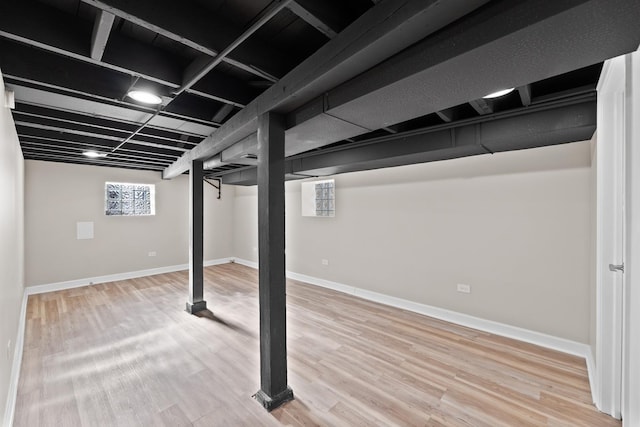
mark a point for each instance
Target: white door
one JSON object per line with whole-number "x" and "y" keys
{"x": 631, "y": 323}
{"x": 610, "y": 223}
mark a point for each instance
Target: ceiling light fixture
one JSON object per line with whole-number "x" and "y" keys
{"x": 499, "y": 93}
{"x": 144, "y": 97}
{"x": 93, "y": 154}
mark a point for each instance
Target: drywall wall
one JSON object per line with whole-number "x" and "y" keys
{"x": 514, "y": 226}
{"x": 11, "y": 244}
{"x": 60, "y": 195}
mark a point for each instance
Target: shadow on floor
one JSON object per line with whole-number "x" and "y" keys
{"x": 208, "y": 314}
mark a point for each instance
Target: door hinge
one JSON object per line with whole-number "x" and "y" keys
{"x": 614, "y": 267}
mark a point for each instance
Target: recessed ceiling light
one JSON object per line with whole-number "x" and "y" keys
{"x": 499, "y": 93}
{"x": 93, "y": 154}
{"x": 144, "y": 97}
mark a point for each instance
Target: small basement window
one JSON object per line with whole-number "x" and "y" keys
{"x": 125, "y": 199}
{"x": 318, "y": 198}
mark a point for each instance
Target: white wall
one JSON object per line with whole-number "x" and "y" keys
{"x": 59, "y": 195}
{"x": 593, "y": 291}
{"x": 11, "y": 243}
{"x": 514, "y": 226}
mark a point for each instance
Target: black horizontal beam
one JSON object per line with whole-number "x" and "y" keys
{"x": 382, "y": 31}
{"x": 556, "y": 123}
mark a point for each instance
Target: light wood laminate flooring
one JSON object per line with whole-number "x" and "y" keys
{"x": 127, "y": 354}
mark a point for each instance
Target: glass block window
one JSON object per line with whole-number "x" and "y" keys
{"x": 124, "y": 199}
{"x": 318, "y": 198}
{"x": 325, "y": 198}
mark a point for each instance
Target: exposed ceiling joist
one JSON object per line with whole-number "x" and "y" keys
{"x": 525, "y": 94}
{"x": 447, "y": 115}
{"x": 481, "y": 106}
{"x": 47, "y": 28}
{"x": 555, "y": 123}
{"x": 433, "y": 74}
{"x": 103, "y": 109}
{"x": 196, "y": 70}
{"x": 101, "y": 30}
{"x": 310, "y": 11}
{"x": 222, "y": 113}
{"x": 382, "y": 31}
{"x": 192, "y": 24}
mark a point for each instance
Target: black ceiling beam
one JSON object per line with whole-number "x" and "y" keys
{"x": 481, "y": 106}
{"x": 77, "y": 150}
{"x": 503, "y": 44}
{"x": 544, "y": 125}
{"x": 443, "y": 70}
{"x": 43, "y": 26}
{"x": 525, "y": 95}
{"x": 33, "y": 155}
{"x": 101, "y": 31}
{"x": 70, "y": 146}
{"x": 222, "y": 113}
{"x": 79, "y": 126}
{"x": 38, "y": 137}
{"x": 192, "y": 24}
{"x": 94, "y": 119}
{"x": 379, "y": 33}
{"x": 317, "y": 14}
{"x": 101, "y": 123}
{"x": 48, "y": 131}
{"x": 447, "y": 115}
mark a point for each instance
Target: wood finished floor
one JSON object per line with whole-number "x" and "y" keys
{"x": 126, "y": 353}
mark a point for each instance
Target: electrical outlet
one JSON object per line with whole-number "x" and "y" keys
{"x": 325, "y": 262}
{"x": 465, "y": 289}
{"x": 152, "y": 253}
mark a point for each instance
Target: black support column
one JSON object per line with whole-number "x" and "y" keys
{"x": 196, "y": 247}
{"x": 272, "y": 293}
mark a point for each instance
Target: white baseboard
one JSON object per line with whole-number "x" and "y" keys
{"x": 521, "y": 334}
{"x": 591, "y": 370}
{"x": 246, "y": 263}
{"x": 59, "y": 286}
{"x": 12, "y": 394}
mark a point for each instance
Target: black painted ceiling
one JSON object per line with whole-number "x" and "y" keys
{"x": 70, "y": 88}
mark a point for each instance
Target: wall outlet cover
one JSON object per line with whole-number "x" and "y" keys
{"x": 465, "y": 289}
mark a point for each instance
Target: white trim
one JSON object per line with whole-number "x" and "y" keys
{"x": 59, "y": 286}
{"x": 12, "y": 393}
{"x": 521, "y": 334}
{"x": 246, "y": 263}
{"x": 591, "y": 370}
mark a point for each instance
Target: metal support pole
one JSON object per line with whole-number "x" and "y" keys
{"x": 196, "y": 247}
{"x": 274, "y": 390}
